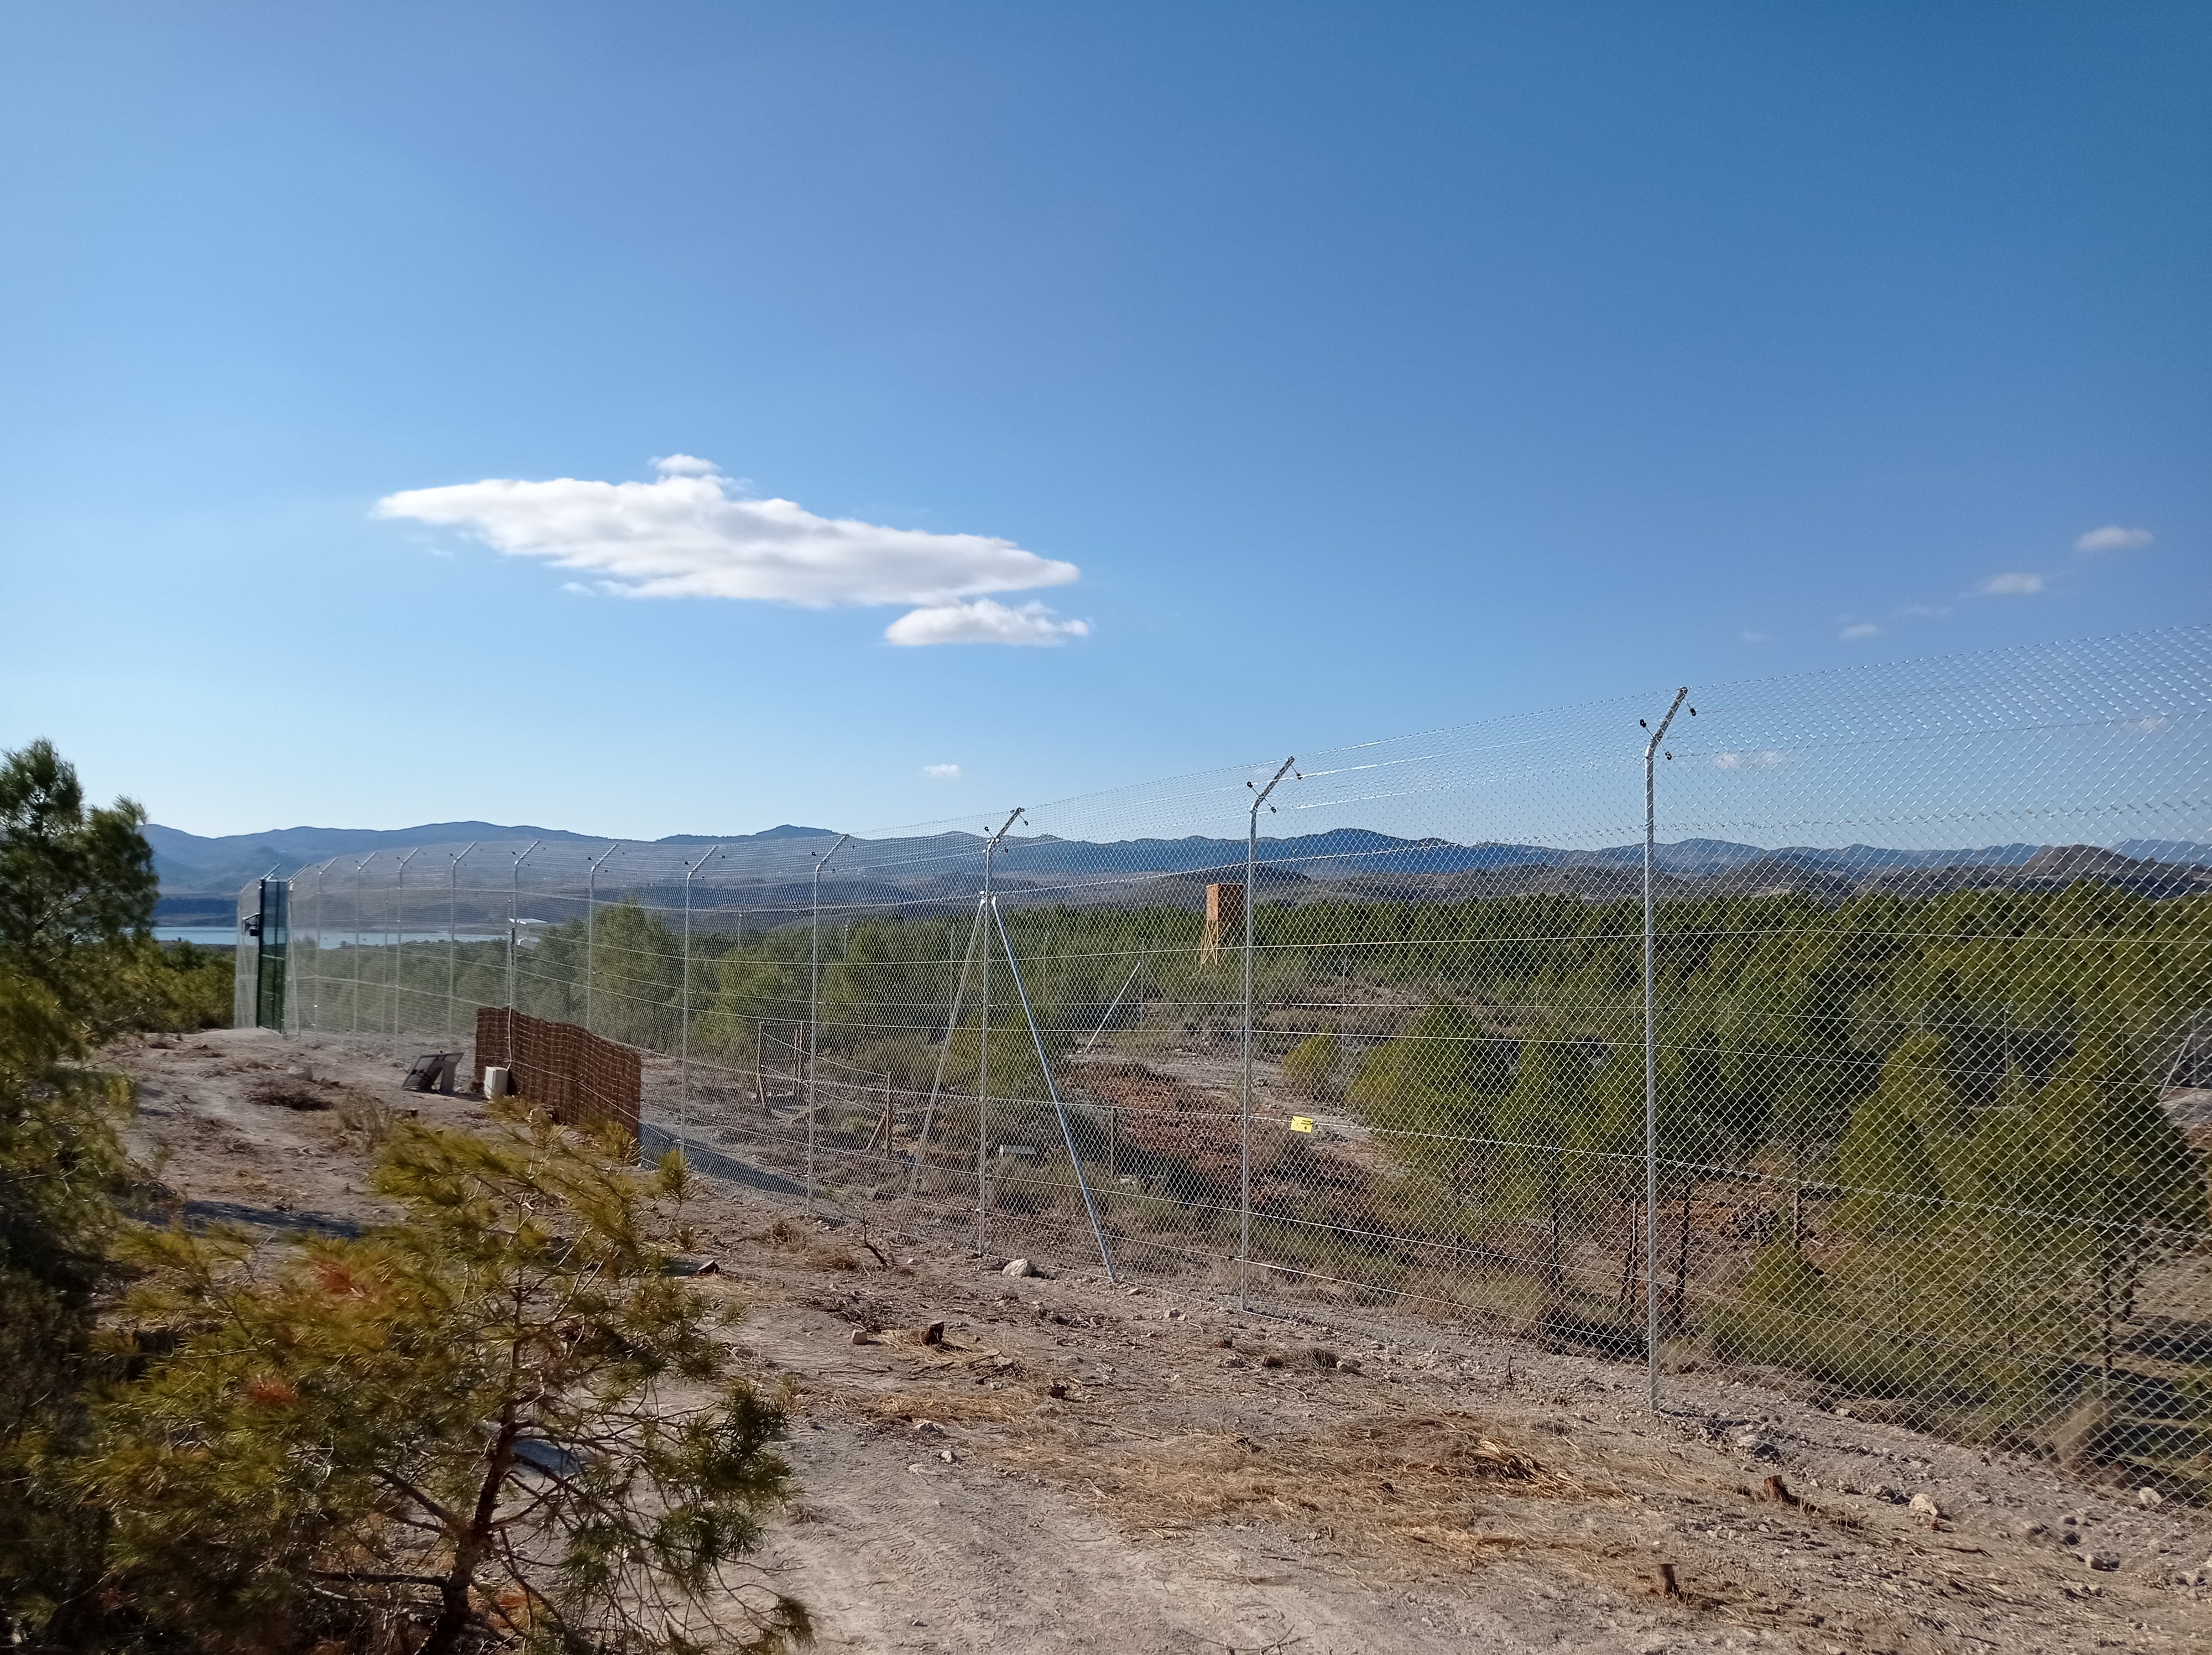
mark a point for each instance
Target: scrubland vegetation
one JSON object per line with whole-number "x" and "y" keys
{"x": 1911, "y": 1148}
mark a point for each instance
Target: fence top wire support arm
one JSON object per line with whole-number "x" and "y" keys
{"x": 1651, "y": 1060}
{"x": 1052, "y": 1086}
{"x": 1244, "y": 1150}
{"x": 814, "y": 1002}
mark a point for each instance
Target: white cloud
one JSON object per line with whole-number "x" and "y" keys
{"x": 1860, "y": 629}
{"x": 941, "y": 772}
{"x": 2113, "y": 538}
{"x": 1765, "y": 760}
{"x": 984, "y": 622}
{"x": 690, "y": 533}
{"x": 2015, "y": 583}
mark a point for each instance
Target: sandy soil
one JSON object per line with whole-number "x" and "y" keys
{"x": 1078, "y": 1466}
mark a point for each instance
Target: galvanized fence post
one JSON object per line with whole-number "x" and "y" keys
{"x": 983, "y": 1051}
{"x": 591, "y": 915}
{"x": 683, "y": 1036}
{"x": 814, "y": 1004}
{"x": 399, "y": 944}
{"x": 453, "y": 878}
{"x": 1244, "y": 1153}
{"x": 1651, "y": 1067}
{"x": 514, "y": 914}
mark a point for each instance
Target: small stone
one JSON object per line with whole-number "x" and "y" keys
{"x": 862, "y": 1336}
{"x": 1925, "y": 1504}
{"x": 927, "y": 1428}
{"x": 1019, "y": 1267}
{"x": 934, "y": 1334}
{"x": 947, "y": 1455}
{"x": 1271, "y": 1360}
{"x": 1347, "y": 1365}
{"x": 1235, "y": 1361}
{"x": 2149, "y": 1497}
{"x": 2104, "y": 1562}
{"x": 1057, "y": 1388}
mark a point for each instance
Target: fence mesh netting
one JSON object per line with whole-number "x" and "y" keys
{"x": 1931, "y": 1061}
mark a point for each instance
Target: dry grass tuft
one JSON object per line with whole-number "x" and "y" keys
{"x": 1411, "y": 1479}
{"x": 288, "y": 1091}
{"x": 369, "y": 1116}
{"x": 974, "y": 1406}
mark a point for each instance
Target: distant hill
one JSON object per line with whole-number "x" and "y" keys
{"x": 199, "y": 875}
{"x": 193, "y": 865}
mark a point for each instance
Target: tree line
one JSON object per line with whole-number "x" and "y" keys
{"x": 1939, "y": 1116}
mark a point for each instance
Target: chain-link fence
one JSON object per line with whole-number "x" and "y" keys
{"x": 1875, "y": 1063}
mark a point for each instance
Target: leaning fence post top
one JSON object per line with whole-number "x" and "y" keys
{"x": 1659, "y": 735}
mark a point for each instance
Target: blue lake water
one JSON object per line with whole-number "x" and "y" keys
{"x": 224, "y": 936}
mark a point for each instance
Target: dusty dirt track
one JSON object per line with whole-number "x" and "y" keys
{"x": 1082, "y": 1467}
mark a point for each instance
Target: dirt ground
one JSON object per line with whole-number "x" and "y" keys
{"x": 1079, "y": 1466}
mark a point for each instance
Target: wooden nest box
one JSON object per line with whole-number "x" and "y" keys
{"x": 1224, "y": 920}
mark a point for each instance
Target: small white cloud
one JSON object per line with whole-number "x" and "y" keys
{"x": 2014, "y": 583}
{"x": 984, "y": 622}
{"x": 941, "y": 772}
{"x": 1765, "y": 760}
{"x": 577, "y": 588}
{"x": 1922, "y": 611}
{"x": 1860, "y": 629}
{"x": 2113, "y": 538}
{"x": 691, "y": 533}
{"x": 1751, "y": 637}
{"x": 2150, "y": 724}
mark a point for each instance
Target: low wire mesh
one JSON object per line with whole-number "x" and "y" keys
{"x": 1930, "y": 1064}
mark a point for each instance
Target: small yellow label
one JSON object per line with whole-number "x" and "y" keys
{"x": 1301, "y": 1123}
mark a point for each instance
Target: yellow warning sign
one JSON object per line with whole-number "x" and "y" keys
{"x": 1301, "y": 1123}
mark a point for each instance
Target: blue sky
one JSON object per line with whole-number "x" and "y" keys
{"x": 1375, "y": 368}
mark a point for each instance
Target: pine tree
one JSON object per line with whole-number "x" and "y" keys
{"x": 76, "y": 891}
{"x": 498, "y": 1420}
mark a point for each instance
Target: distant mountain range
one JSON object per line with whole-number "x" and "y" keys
{"x": 188, "y": 862}
{"x": 200, "y": 876}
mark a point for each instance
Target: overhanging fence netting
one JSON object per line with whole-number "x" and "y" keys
{"x": 1931, "y": 1054}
